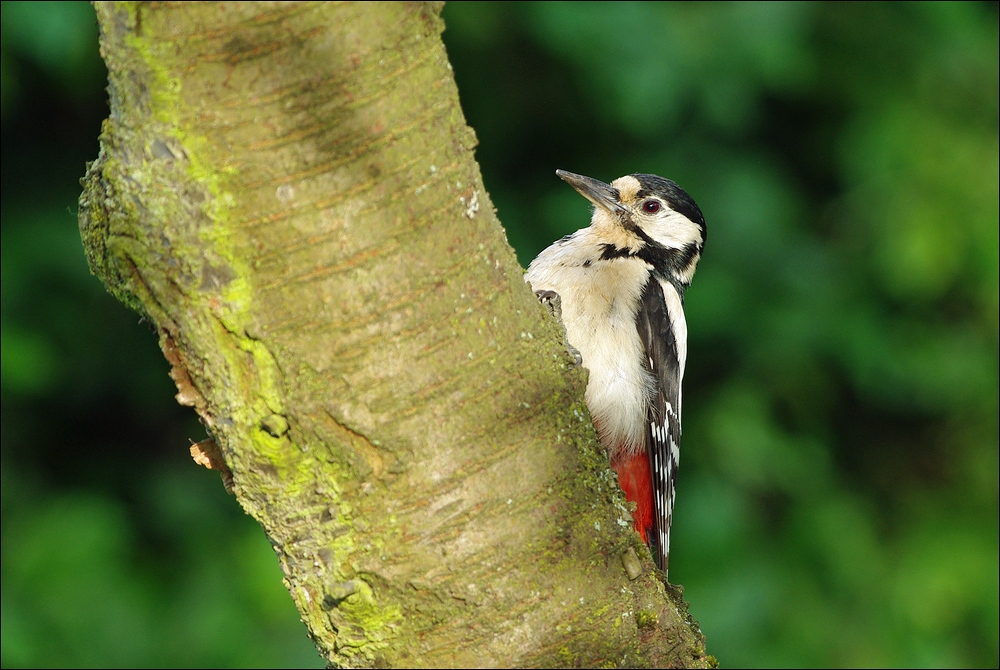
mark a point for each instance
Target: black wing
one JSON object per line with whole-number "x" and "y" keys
{"x": 653, "y": 322}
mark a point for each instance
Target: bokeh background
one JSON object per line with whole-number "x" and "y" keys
{"x": 838, "y": 500}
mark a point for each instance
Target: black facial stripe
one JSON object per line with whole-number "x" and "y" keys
{"x": 689, "y": 253}
{"x": 666, "y": 263}
{"x": 670, "y": 263}
{"x": 610, "y": 252}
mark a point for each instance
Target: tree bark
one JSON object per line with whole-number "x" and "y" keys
{"x": 288, "y": 192}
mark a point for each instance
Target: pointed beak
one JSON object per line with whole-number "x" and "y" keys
{"x": 599, "y": 193}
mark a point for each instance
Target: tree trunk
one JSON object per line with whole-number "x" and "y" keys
{"x": 288, "y": 192}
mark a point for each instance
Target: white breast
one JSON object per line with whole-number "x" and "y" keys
{"x": 598, "y": 309}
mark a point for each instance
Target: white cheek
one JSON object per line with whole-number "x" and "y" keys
{"x": 672, "y": 230}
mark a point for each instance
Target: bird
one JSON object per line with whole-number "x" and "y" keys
{"x": 618, "y": 287}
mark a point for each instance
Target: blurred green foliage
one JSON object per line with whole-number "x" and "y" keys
{"x": 839, "y": 490}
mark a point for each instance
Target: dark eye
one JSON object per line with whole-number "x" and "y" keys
{"x": 651, "y": 207}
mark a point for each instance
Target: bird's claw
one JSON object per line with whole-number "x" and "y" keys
{"x": 552, "y": 300}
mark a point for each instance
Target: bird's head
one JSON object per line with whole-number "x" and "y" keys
{"x": 648, "y": 216}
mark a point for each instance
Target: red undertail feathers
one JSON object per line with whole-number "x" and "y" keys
{"x": 636, "y": 479}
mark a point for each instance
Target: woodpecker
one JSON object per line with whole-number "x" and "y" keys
{"x": 620, "y": 285}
